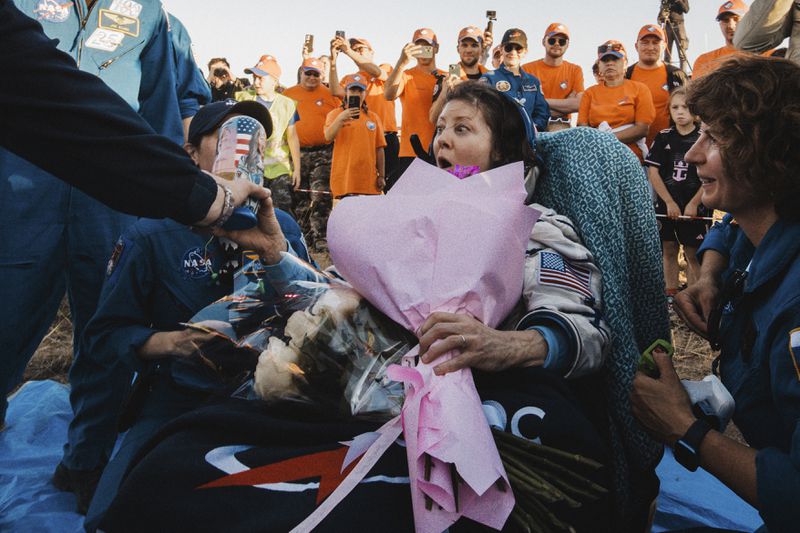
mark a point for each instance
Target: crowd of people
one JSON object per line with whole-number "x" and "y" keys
{"x": 718, "y": 137}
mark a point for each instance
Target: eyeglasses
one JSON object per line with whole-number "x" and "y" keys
{"x": 561, "y": 41}
{"x": 731, "y": 290}
{"x": 510, "y": 47}
{"x": 614, "y": 47}
{"x": 313, "y": 73}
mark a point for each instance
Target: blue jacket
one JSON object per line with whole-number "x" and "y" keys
{"x": 760, "y": 365}
{"x": 160, "y": 274}
{"x": 526, "y": 89}
{"x": 126, "y": 44}
{"x": 191, "y": 88}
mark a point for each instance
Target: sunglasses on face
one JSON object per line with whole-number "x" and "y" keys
{"x": 604, "y": 48}
{"x": 313, "y": 73}
{"x": 511, "y": 47}
{"x": 560, "y": 40}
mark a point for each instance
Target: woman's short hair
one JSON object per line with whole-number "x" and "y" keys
{"x": 510, "y": 141}
{"x": 753, "y": 103}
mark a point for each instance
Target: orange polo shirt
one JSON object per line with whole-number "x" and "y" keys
{"x": 656, "y": 81}
{"x": 313, "y": 107}
{"x": 710, "y": 61}
{"x": 557, "y": 82}
{"x": 377, "y": 102}
{"x": 416, "y": 95}
{"x": 354, "y": 165}
{"x": 625, "y": 104}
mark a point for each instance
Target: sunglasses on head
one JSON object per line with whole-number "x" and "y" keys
{"x": 510, "y": 47}
{"x": 560, "y": 40}
{"x": 604, "y": 48}
{"x": 311, "y": 73}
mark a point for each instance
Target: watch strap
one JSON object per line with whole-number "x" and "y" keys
{"x": 687, "y": 448}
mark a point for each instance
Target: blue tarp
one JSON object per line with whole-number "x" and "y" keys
{"x": 36, "y": 429}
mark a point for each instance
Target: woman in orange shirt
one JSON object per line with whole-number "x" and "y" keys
{"x": 620, "y": 106}
{"x": 357, "y": 166}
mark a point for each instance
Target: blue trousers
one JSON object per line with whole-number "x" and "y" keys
{"x": 53, "y": 239}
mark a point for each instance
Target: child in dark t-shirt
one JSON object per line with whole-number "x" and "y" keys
{"x": 678, "y": 188}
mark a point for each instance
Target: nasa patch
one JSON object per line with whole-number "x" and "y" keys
{"x": 370, "y": 125}
{"x": 502, "y": 86}
{"x": 52, "y": 11}
{"x": 195, "y": 264}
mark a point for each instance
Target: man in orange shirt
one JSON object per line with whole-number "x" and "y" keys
{"x": 470, "y": 48}
{"x": 415, "y": 87}
{"x": 728, "y": 17}
{"x": 659, "y": 77}
{"x": 314, "y": 102}
{"x": 562, "y": 81}
{"x": 361, "y": 52}
{"x": 357, "y": 136}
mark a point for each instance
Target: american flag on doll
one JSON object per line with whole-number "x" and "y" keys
{"x": 556, "y": 271}
{"x": 244, "y": 135}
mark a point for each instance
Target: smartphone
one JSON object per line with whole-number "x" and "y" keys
{"x": 354, "y": 101}
{"x": 491, "y": 15}
{"x": 455, "y": 70}
{"x": 340, "y": 33}
{"x": 426, "y": 52}
{"x": 309, "y": 43}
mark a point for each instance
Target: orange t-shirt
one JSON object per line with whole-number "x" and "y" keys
{"x": 656, "y": 81}
{"x": 625, "y": 104}
{"x": 557, "y": 82}
{"x": 708, "y": 62}
{"x": 416, "y": 95}
{"x": 378, "y": 103}
{"x": 353, "y": 168}
{"x": 313, "y": 107}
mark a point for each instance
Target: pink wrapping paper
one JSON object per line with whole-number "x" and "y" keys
{"x": 436, "y": 243}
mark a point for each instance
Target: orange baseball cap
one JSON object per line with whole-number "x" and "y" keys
{"x": 354, "y": 80}
{"x": 556, "y": 28}
{"x": 312, "y": 63}
{"x": 735, "y": 7}
{"x": 359, "y": 40}
{"x": 471, "y": 32}
{"x": 651, "y": 29}
{"x": 611, "y": 48}
{"x": 267, "y": 66}
{"x": 424, "y": 34}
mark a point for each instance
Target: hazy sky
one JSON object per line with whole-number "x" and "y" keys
{"x": 243, "y": 30}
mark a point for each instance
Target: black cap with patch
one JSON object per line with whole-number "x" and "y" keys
{"x": 515, "y": 36}
{"x": 211, "y": 116}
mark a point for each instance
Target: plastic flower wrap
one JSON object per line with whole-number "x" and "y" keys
{"x": 334, "y": 352}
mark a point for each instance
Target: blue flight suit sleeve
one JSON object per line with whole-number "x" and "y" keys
{"x": 719, "y": 238}
{"x": 191, "y": 88}
{"x": 157, "y": 99}
{"x": 541, "y": 109}
{"x": 122, "y": 322}
{"x": 91, "y": 134}
{"x": 778, "y": 471}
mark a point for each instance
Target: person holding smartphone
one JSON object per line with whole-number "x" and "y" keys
{"x": 357, "y": 135}
{"x": 416, "y": 88}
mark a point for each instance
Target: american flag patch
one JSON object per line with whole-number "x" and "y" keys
{"x": 245, "y": 128}
{"x": 556, "y": 271}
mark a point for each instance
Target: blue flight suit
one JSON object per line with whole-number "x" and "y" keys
{"x": 191, "y": 88}
{"x": 526, "y": 89}
{"x": 759, "y": 361}
{"x": 55, "y": 237}
{"x": 160, "y": 275}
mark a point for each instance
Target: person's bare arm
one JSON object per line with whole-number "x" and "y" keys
{"x": 391, "y": 88}
{"x": 567, "y": 105}
{"x": 380, "y": 164}
{"x": 695, "y": 303}
{"x": 333, "y": 75}
{"x": 345, "y": 116}
{"x": 294, "y": 149}
{"x": 673, "y": 211}
{"x": 632, "y": 134}
{"x": 438, "y": 104}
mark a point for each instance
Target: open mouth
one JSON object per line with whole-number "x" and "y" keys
{"x": 706, "y": 180}
{"x": 443, "y": 163}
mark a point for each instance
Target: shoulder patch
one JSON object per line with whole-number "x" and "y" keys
{"x": 52, "y": 11}
{"x": 195, "y": 264}
{"x": 794, "y": 349}
{"x": 370, "y": 125}
{"x": 502, "y": 86}
{"x": 115, "y": 256}
{"x": 556, "y": 271}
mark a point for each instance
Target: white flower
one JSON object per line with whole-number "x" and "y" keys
{"x": 277, "y": 366}
{"x": 339, "y": 303}
{"x": 302, "y": 326}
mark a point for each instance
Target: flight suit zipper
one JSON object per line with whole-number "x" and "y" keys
{"x": 83, "y": 18}
{"x": 105, "y": 64}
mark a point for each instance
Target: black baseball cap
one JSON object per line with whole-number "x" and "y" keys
{"x": 211, "y": 116}
{"x": 515, "y": 36}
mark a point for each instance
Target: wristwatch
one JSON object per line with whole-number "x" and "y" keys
{"x": 687, "y": 449}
